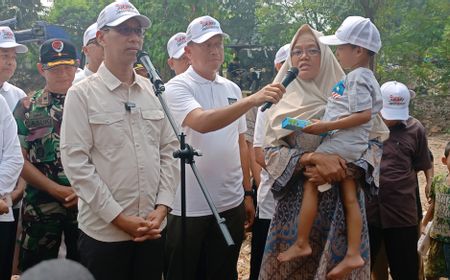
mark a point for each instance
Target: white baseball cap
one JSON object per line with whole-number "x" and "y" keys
{"x": 282, "y": 54}
{"x": 89, "y": 34}
{"x": 8, "y": 40}
{"x": 202, "y": 29}
{"x": 355, "y": 30}
{"x": 118, "y": 12}
{"x": 396, "y": 97}
{"x": 176, "y": 44}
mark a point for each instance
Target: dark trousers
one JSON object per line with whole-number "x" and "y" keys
{"x": 401, "y": 250}
{"x": 123, "y": 260}
{"x": 8, "y": 232}
{"x": 42, "y": 228}
{"x": 259, "y": 237}
{"x": 207, "y": 256}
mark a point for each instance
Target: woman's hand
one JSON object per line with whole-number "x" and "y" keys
{"x": 314, "y": 176}
{"x": 331, "y": 168}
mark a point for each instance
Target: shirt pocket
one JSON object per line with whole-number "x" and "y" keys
{"x": 152, "y": 121}
{"x": 107, "y": 130}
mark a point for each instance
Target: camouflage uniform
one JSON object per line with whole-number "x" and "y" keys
{"x": 44, "y": 217}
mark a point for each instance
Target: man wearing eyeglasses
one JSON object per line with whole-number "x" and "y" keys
{"x": 117, "y": 146}
{"x": 50, "y": 204}
{"x": 210, "y": 109}
{"x": 93, "y": 53}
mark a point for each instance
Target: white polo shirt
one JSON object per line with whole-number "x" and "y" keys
{"x": 220, "y": 165}
{"x": 266, "y": 202}
{"x": 12, "y": 94}
{"x": 11, "y": 160}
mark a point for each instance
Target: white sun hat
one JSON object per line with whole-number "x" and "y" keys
{"x": 8, "y": 40}
{"x": 357, "y": 31}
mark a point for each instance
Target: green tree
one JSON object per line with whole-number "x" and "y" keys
{"x": 75, "y": 16}
{"x": 415, "y": 44}
{"x": 27, "y": 12}
{"x": 415, "y": 34}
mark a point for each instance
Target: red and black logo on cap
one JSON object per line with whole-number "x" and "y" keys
{"x": 58, "y": 46}
{"x": 55, "y": 52}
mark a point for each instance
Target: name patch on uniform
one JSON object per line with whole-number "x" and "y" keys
{"x": 38, "y": 119}
{"x": 36, "y": 123}
{"x": 231, "y": 100}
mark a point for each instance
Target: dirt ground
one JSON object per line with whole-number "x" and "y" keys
{"x": 436, "y": 143}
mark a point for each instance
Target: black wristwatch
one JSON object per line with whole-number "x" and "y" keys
{"x": 249, "y": 193}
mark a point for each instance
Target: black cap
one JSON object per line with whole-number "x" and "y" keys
{"x": 54, "y": 52}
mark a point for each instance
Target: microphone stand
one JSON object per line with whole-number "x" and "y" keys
{"x": 186, "y": 154}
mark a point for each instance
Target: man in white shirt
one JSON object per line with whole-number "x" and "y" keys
{"x": 116, "y": 148}
{"x": 93, "y": 53}
{"x": 210, "y": 110}
{"x": 11, "y": 160}
{"x": 12, "y": 94}
{"x": 11, "y": 163}
{"x": 177, "y": 60}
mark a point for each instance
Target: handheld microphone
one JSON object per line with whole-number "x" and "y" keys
{"x": 144, "y": 59}
{"x": 291, "y": 74}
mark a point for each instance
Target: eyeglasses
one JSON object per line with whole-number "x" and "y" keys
{"x": 127, "y": 31}
{"x": 309, "y": 52}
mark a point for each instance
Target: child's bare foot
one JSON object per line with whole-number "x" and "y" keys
{"x": 345, "y": 267}
{"x": 296, "y": 250}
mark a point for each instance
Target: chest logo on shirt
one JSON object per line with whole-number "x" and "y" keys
{"x": 338, "y": 90}
{"x": 231, "y": 100}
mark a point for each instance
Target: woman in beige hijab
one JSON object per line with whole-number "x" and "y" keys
{"x": 287, "y": 153}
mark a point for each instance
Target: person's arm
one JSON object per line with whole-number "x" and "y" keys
{"x": 169, "y": 180}
{"x": 429, "y": 173}
{"x": 259, "y": 156}
{"x": 34, "y": 177}
{"x": 17, "y": 193}
{"x": 254, "y": 165}
{"x": 353, "y": 120}
{"x": 428, "y": 216}
{"x": 11, "y": 161}
{"x": 258, "y": 137}
{"x": 245, "y": 163}
{"x": 205, "y": 121}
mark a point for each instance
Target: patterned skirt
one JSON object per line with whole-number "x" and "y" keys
{"x": 328, "y": 239}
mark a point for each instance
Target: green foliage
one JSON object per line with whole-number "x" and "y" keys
{"x": 26, "y": 13}
{"x": 75, "y": 16}
{"x": 415, "y": 50}
{"x": 415, "y": 33}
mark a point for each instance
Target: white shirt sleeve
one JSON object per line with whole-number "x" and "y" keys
{"x": 11, "y": 159}
{"x": 260, "y": 129}
{"x": 180, "y": 99}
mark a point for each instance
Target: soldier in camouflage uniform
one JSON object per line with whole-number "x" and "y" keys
{"x": 50, "y": 204}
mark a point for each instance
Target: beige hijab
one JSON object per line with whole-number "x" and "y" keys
{"x": 307, "y": 99}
